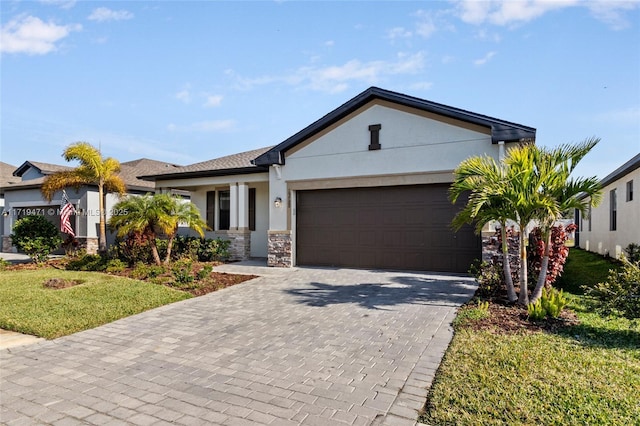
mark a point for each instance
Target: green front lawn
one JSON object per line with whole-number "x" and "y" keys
{"x": 587, "y": 373}
{"x": 28, "y": 307}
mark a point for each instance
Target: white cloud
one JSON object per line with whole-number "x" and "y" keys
{"x": 506, "y": 12}
{"x": 337, "y": 78}
{"x": 485, "y": 59}
{"x": 209, "y": 126}
{"x": 29, "y": 34}
{"x": 184, "y": 95}
{"x": 612, "y": 12}
{"x": 64, "y": 4}
{"x": 103, "y": 14}
{"x": 398, "y": 32}
{"x": 213, "y": 101}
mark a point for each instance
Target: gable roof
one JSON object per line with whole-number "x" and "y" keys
{"x": 622, "y": 171}
{"x": 240, "y": 163}
{"x": 44, "y": 168}
{"x": 501, "y": 130}
{"x": 129, "y": 172}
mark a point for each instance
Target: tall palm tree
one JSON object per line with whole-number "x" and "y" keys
{"x": 567, "y": 192}
{"x": 153, "y": 215}
{"x": 483, "y": 179}
{"x": 93, "y": 170}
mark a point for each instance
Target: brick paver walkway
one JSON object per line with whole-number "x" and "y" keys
{"x": 295, "y": 346}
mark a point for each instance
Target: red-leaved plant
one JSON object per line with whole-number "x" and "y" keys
{"x": 557, "y": 255}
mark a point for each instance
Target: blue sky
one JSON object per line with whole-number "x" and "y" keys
{"x": 189, "y": 81}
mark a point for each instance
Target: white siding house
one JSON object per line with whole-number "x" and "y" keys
{"x": 615, "y": 223}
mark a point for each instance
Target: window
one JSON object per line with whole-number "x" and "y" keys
{"x": 224, "y": 209}
{"x": 630, "y": 190}
{"x": 211, "y": 209}
{"x": 252, "y": 209}
{"x": 613, "y": 210}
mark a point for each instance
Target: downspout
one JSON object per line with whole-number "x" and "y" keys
{"x": 501, "y": 153}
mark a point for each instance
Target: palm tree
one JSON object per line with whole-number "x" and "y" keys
{"x": 483, "y": 179}
{"x": 567, "y": 192}
{"x": 93, "y": 170}
{"x": 522, "y": 190}
{"x": 152, "y": 215}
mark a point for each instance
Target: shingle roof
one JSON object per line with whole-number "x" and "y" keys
{"x": 501, "y": 130}
{"x": 129, "y": 172}
{"x": 6, "y": 174}
{"x": 44, "y": 168}
{"x": 230, "y": 164}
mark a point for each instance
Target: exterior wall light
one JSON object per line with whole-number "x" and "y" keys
{"x": 5, "y": 213}
{"x": 277, "y": 202}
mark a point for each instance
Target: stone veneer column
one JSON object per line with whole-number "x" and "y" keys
{"x": 279, "y": 249}
{"x": 7, "y": 247}
{"x": 240, "y": 248}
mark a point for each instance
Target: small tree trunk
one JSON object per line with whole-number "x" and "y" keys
{"x": 154, "y": 251}
{"x": 506, "y": 265}
{"x": 523, "y": 298}
{"x": 102, "y": 235}
{"x": 169, "y": 247}
{"x": 544, "y": 267}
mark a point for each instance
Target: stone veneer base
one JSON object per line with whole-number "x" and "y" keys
{"x": 279, "y": 249}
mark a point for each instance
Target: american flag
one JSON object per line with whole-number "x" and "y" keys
{"x": 66, "y": 210}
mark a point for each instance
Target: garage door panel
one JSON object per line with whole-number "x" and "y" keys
{"x": 407, "y": 227}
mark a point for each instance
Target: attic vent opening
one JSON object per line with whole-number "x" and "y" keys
{"x": 374, "y": 144}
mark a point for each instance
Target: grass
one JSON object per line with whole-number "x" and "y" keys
{"x": 28, "y": 307}
{"x": 583, "y": 374}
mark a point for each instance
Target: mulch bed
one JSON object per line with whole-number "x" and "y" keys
{"x": 505, "y": 319}
{"x": 214, "y": 281}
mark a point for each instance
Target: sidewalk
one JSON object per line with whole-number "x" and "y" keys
{"x": 11, "y": 339}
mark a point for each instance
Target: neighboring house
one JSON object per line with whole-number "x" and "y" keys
{"x": 6, "y": 177}
{"x": 615, "y": 223}
{"x": 365, "y": 186}
{"x": 22, "y": 197}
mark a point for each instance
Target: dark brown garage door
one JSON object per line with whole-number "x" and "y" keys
{"x": 395, "y": 227}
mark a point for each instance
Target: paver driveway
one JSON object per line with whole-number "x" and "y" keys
{"x": 295, "y": 346}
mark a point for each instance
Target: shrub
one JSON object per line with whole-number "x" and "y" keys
{"x": 633, "y": 252}
{"x": 4, "y": 264}
{"x": 88, "y": 262}
{"x": 620, "y": 293}
{"x": 115, "y": 265}
{"x": 181, "y": 271}
{"x": 550, "y": 304}
{"x": 143, "y": 271}
{"x": 136, "y": 248}
{"x": 490, "y": 278}
{"x": 204, "y": 272}
{"x": 36, "y": 236}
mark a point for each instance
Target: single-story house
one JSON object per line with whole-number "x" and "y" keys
{"x": 365, "y": 186}
{"x": 6, "y": 177}
{"x": 22, "y": 197}
{"x": 615, "y": 223}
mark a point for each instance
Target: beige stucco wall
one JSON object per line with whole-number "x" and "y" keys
{"x": 416, "y": 148}
{"x": 601, "y": 239}
{"x": 199, "y": 187}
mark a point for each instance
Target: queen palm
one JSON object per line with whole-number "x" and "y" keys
{"x": 155, "y": 215}
{"x": 568, "y": 193}
{"x": 93, "y": 170}
{"x": 484, "y": 179}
